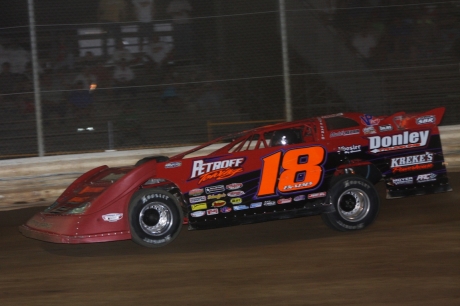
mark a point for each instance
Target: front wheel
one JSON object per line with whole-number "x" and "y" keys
{"x": 356, "y": 204}
{"x": 155, "y": 218}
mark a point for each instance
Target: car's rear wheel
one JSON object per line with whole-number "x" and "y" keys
{"x": 155, "y": 218}
{"x": 356, "y": 203}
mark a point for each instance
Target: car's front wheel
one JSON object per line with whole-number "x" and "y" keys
{"x": 155, "y": 218}
{"x": 356, "y": 203}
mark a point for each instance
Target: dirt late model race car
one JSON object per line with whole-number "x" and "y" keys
{"x": 325, "y": 165}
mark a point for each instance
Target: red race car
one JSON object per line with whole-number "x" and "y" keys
{"x": 325, "y": 165}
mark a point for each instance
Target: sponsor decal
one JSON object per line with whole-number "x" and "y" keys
{"x": 113, "y": 217}
{"x": 369, "y": 130}
{"x": 219, "y": 203}
{"x": 216, "y": 196}
{"x": 350, "y": 149}
{"x": 369, "y": 120}
{"x": 299, "y": 198}
{"x": 173, "y": 165}
{"x": 386, "y": 128}
{"x": 297, "y": 186}
{"x": 412, "y": 168}
{"x": 196, "y": 192}
{"x": 412, "y": 160}
{"x": 344, "y": 133}
{"x": 256, "y": 205}
{"x": 214, "y": 189}
{"x": 197, "y": 214}
{"x": 317, "y": 195}
{"x": 197, "y": 199}
{"x": 423, "y": 178}
{"x": 240, "y": 207}
{"x": 225, "y": 210}
{"x": 269, "y": 203}
{"x": 237, "y": 193}
{"x": 403, "y": 181}
{"x": 199, "y": 206}
{"x": 405, "y": 140}
{"x": 154, "y": 196}
{"x": 321, "y": 128}
{"x": 426, "y": 120}
{"x": 236, "y": 201}
{"x": 212, "y": 211}
{"x": 234, "y": 186}
{"x": 284, "y": 201}
{"x": 217, "y": 170}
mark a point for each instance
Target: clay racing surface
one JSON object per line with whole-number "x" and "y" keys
{"x": 409, "y": 256}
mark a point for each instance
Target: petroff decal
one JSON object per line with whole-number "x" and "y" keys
{"x": 284, "y": 201}
{"x": 225, "y": 209}
{"x": 173, "y": 165}
{"x": 299, "y": 198}
{"x": 317, "y": 195}
{"x": 369, "y": 120}
{"x": 236, "y": 201}
{"x": 422, "y": 178}
{"x": 197, "y": 199}
{"x": 237, "y": 193}
{"x": 386, "y": 128}
{"x": 113, "y": 217}
{"x": 269, "y": 203}
{"x": 212, "y": 211}
{"x": 405, "y": 140}
{"x": 198, "y": 214}
{"x": 426, "y": 120}
{"x": 234, "y": 186}
{"x": 344, "y": 133}
{"x": 240, "y": 207}
{"x": 403, "y": 181}
{"x": 412, "y": 160}
{"x": 218, "y": 170}
{"x": 196, "y": 192}
{"x": 369, "y": 130}
{"x": 199, "y": 206}
{"x": 214, "y": 189}
{"x": 350, "y": 149}
{"x": 216, "y": 196}
{"x": 219, "y": 203}
{"x": 256, "y": 205}
{"x": 412, "y": 168}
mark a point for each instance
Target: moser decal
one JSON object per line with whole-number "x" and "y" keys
{"x": 426, "y": 120}
{"x": 234, "y": 186}
{"x": 216, "y": 196}
{"x": 197, "y": 199}
{"x": 199, "y": 206}
{"x": 197, "y": 214}
{"x": 423, "y": 178}
{"x": 369, "y": 120}
{"x": 219, "y": 203}
{"x": 237, "y": 193}
{"x": 403, "y": 181}
{"x": 214, "y": 189}
{"x": 405, "y": 140}
{"x": 350, "y": 149}
{"x": 218, "y": 170}
{"x": 344, "y": 133}
{"x": 412, "y": 160}
{"x": 212, "y": 211}
{"x": 113, "y": 217}
{"x": 173, "y": 165}
{"x": 196, "y": 192}
{"x": 386, "y": 128}
{"x": 317, "y": 195}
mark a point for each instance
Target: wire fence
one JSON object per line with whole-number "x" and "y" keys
{"x": 118, "y": 74}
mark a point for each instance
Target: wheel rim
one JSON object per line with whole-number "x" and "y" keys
{"x": 353, "y": 205}
{"x": 155, "y": 219}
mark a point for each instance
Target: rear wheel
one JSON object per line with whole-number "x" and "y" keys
{"x": 356, "y": 204}
{"x": 155, "y": 218}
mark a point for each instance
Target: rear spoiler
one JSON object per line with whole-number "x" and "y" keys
{"x": 403, "y": 120}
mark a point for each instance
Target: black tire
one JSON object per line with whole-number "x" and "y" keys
{"x": 356, "y": 203}
{"x": 155, "y": 218}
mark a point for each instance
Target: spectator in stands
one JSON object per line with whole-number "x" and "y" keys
{"x": 52, "y": 96}
{"x": 364, "y": 42}
{"x": 88, "y": 79}
{"x": 180, "y": 11}
{"x": 7, "y": 87}
{"x": 111, "y": 13}
{"x": 62, "y": 53}
{"x": 121, "y": 53}
{"x": 81, "y": 101}
{"x": 210, "y": 96}
{"x": 144, "y": 11}
{"x": 123, "y": 77}
{"x": 18, "y": 58}
{"x": 129, "y": 125}
{"x": 157, "y": 55}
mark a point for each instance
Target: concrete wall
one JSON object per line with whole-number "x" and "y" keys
{"x": 38, "y": 181}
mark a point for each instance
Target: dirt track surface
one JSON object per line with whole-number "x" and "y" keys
{"x": 409, "y": 256}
